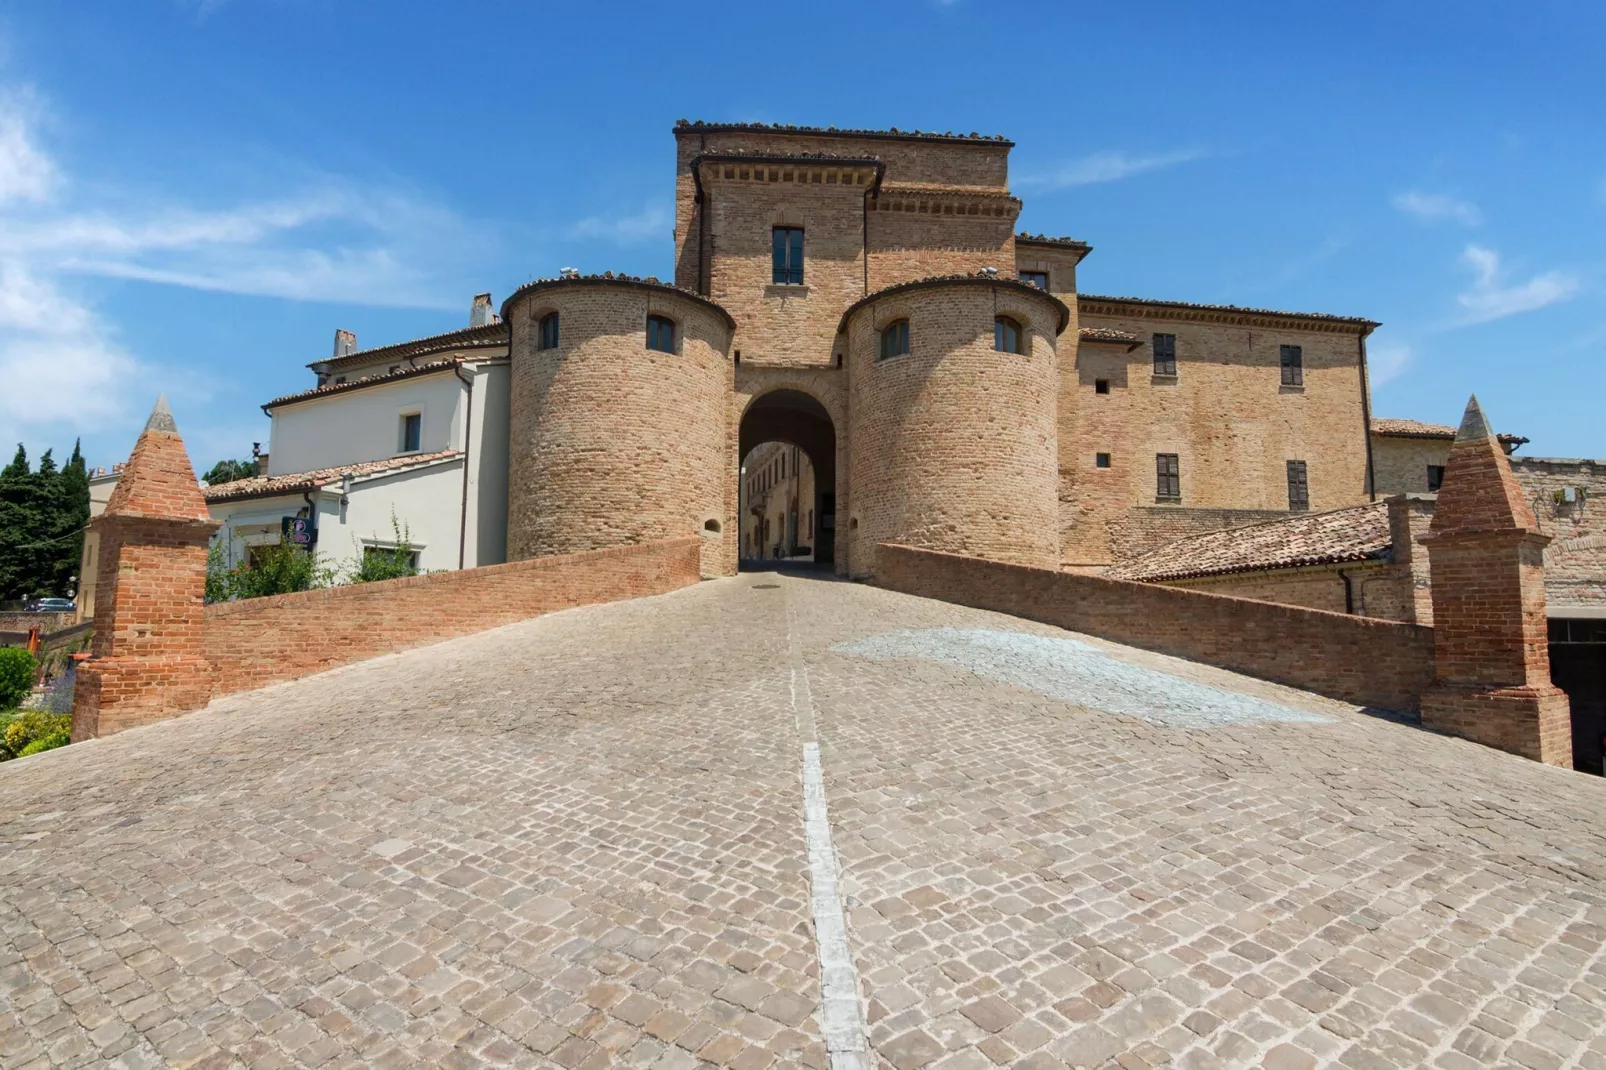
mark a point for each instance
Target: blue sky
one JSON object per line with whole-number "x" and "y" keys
{"x": 194, "y": 195}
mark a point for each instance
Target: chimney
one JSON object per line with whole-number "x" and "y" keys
{"x": 345, "y": 343}
{"x": 480, "y": 315}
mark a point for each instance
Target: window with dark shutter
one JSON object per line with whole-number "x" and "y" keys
{"x": 1292, "y": 358}
{"x": 787, "y": 256}
{"x": 548, "y": 335}
{"x": 1165, "y": 354}
{"x": 895, "y": 339}
{"x": 1006, "y": 335}
{"x": 1167, "y": 476}
{"x": 661, "y": 334}
{"x": 1435, "y": 476}
{"x": 1298, "y": 487}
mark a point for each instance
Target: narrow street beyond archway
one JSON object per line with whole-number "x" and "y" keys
{"x": 775, "y": 820}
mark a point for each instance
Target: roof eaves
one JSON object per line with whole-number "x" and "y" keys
{"x": 938, "y": 280}
{"x": 331, "y": 389}
{"x": 687, "y": 126}
{"x": 1241, "y": 310}
{"x": 489, "y": 336}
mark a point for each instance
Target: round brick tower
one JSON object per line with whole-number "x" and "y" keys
{"x": 613, "y": 440}
{"x": 952, "y": 442}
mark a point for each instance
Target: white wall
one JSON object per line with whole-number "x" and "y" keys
{"x": 426, "y": 501}
{"x": 365, "y": 424}
{"x": 488, "y": 466}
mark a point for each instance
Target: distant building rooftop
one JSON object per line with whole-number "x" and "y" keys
{"x": 295, "y": 482}
{"x": 1355, "y": 533}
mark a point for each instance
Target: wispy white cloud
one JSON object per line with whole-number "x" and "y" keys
{"x": 329, "y": 239}
{"x": 653, "y": 221}
{"x": 1438, "y": 207}
{"x": 1489, "y": 298}
{"x": 1111, "y": 165}
{"x": 1385, "y": 363}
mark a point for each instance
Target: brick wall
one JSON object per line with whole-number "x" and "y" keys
{"x": 953, "y": 443}
{"x": 612, "y": 443}
{"x": 1377, "y": 663}
{"x": 1226, "y": 415}
{"x": 1575, "y": 560}
{"x": 259, "y": 641}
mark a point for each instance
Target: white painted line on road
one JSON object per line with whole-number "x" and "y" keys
{"x": 841, "y": 1013}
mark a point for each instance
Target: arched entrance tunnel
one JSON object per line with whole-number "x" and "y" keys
{"x": 792, "y": 419}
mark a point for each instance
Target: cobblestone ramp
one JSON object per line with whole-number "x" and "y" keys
{"x": 583, "y": 841}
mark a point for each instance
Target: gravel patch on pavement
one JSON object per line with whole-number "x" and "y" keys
{"x": 1077, "y": 673}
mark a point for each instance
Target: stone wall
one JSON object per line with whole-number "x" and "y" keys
{"x": 1400, "y": 462}
{"x": 1575, "y": 560}
{"x": 953, "y": 443}
{"x": 1377, "y": 663}
{"x": 260, "y": 641}
{"x": 612, "y": 443}
{"x": 45, "y": 622}
{"x": 1225, "y": 414}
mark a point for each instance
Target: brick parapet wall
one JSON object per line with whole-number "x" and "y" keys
{"x": 259, "y": 641}
{"x": 1372, "y": 662}
{"x": 45, "y": 622}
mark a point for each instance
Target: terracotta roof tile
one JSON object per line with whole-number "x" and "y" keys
{"x": 490, "y": 335}
{"x": 1109, "y": 334}
{"x": 291, "y": 482}
{"x": 685, "y": 125}
{"x": 1356, "y": 533}
{"x": 365, "y": 380}
{"x": 1411, "y": 428}
{"x": 1325, "y": 317}
{"x": 1044, "y": 239}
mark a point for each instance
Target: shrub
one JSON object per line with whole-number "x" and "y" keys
{"x": 17, "y": 672}
{"x": 26, "y": 729}
{"x": 387, "y": 563}
{"x": 280, "y": 569}
{"x": 59, "y": 738}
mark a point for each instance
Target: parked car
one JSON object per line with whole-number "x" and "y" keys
{"x": 55, "y": 605}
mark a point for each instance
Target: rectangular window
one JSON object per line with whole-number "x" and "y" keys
{"x": 1435, "y": 476}
{"x": 788, "y": 256}
{"x": 1165, "y": 354}
{"x": 411, "y": 431}
{"x": 1038, "y": 279}
{"x": 1167, "y": 477}
{"x": 1298, "y": 487}
{"x": 1293, "y": 361}
{"x": 1101, "y": 460}
{"x": 1101, "y": 386}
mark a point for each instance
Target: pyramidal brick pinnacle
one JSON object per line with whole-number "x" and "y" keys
{"x": 1479, "y": 492}
{"x": 158, "y": 482}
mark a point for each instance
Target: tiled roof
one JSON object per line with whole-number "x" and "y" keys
{"x": 1044, "y": 239}
{"x": 1109, "y": 334}
{"x": 686, "y": 125}
{"x": 618, "y": 278}
{"x": 934, "y": 280}
{"x": 1383, "y": 425}
{"x": 292, "y": 482}
{"x": 1358, "y": 533}
{"x": 1240, "y": 309}
{"x": 1411, "y": 428}
{"x": 366, "y": 380}
{"x": 490, "y": 335}
{"x": 724, "y": 155}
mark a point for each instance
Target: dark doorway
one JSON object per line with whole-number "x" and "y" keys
{"x": 807, "y": 439}
{"x": 1578, "y": 667}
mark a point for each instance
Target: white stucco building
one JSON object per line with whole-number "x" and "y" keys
{"x": 415, "y": 431}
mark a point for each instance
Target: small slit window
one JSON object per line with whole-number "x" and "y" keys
{"x": 547, "y": 337}
{"x": 895, "y": 339}
{"x": 412, "y": 428}
{"x": 1165, "y": 354}
{"x": 1101, "y": 460}
{"x": 1167, "y": 477}
{"x": 1298, "y": 487}
{"x": 1292, "y": 359}
{"x": 787, "y": 256}
{"x": 1101, "y": 386}
{"x": 1435, "y": 477}
{"x": 1006, "y": 335}
{"x": 661, "y": 334}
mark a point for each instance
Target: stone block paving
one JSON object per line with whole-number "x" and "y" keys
{"x": 579, "y": 842}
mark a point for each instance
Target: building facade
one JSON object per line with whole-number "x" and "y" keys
{"x": 778, "y": 504}
{"x": 865, "y": 299}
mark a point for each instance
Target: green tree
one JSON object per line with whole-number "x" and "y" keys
{"x": 228, "y": 471}
{"x": 42, "y": 516}
{"x": 72, "y": 514}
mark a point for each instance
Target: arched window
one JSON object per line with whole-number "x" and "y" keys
{"x": 1006, "y": 335}
{"x": 661, "y": 334}
{"x": 548, "y": 338}
{"x": 895, "y": 339}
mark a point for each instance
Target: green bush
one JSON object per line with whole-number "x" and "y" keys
{"x": 18, "y": 669}
{"x": 59, "y": 738}
{"x": 24, "y": 730}
{"x": 387, "y": 563}
{"x": 280, "y": 569}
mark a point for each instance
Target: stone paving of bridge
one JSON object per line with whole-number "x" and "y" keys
{"x": 579, "y": 842}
